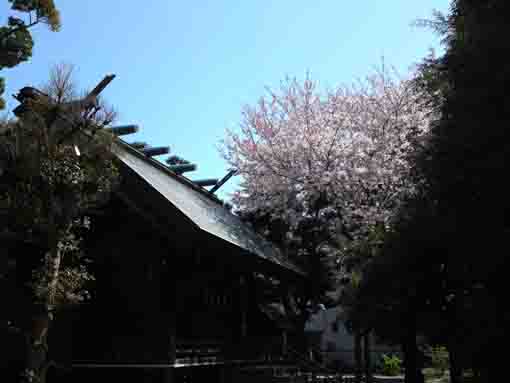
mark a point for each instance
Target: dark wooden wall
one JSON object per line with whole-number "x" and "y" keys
{"x": 155, "y": 289}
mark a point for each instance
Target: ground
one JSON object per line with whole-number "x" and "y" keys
{"x": 433, "y": 375}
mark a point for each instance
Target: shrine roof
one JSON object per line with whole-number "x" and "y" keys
{"x": 204, "y": 209}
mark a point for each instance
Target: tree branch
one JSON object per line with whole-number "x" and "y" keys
{"x": 19, "y": 28}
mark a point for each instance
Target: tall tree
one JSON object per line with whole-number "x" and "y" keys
{"x": 455, "y": 229}
{"x": 471, "y": 197}
{"x": 15, "y": 38}
{"x": 321, "y": 169}
{"x": 55, "y": 165}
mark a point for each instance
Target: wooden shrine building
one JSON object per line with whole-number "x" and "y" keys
{"x": 175, "y": 297}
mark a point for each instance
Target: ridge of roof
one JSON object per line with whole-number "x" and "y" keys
{"x": 168, "y": 171}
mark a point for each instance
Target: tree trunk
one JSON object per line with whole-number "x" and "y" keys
{"x": 53, "y": 272}
{"x": 454, "y": 313}
{"x": 367, "y": 357}
{"x": 357, "y": 356}
{"x": 37, "y": 348}
{"x": 298, "y": 320}
{"x": 37, "y": 343}
{"x": 409, "y": 359}
{"x": 455, "y": 367}
{"x": 484, "y": 375}
{"x": 413, "y": 372}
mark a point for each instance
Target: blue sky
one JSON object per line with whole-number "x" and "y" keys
{"x": 185, "y": 69}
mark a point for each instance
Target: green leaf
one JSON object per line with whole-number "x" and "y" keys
{"x": 16, "y": 47}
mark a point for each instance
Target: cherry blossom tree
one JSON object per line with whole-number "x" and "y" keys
{"x": 338, "y": 159}
{"x": 324, "y": 172}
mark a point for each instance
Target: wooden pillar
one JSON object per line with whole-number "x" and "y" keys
{"x": 172, "y": 339}
{"x": 413, "y": 373}
{"x": 243, "y": 300}
{"x": 168, "y": 375}
{"x": 225, "y": 374}
{"x": 284, "y": 342}
{"x": 170, "y": 306}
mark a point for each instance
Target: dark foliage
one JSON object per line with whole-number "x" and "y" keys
{"x": 446, "y": 261}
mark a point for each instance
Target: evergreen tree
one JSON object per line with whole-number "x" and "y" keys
{"x": 445, "y": 258}
{"x": 55, "y": 165}
{"x": 15, "y": 38}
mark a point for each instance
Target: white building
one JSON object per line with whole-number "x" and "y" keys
{"x": 334, "y": 341}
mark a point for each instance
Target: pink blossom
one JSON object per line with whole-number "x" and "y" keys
{"x": 350, "y": 142}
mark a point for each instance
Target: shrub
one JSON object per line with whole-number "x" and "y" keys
{"x": 391, "y": 365}
{"x": 439, "y": 357}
